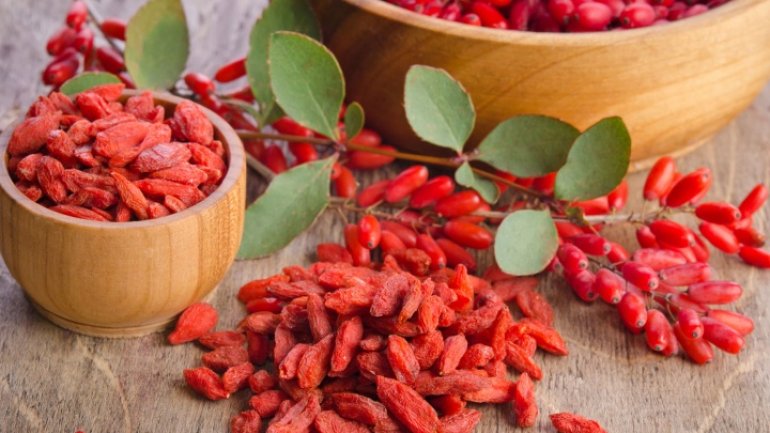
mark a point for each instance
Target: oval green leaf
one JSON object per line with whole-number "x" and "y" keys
{"x": 438, "y": 108}
{"x": 307, "y": 81}
{"x": 290, "y": 205}
{"x": 87, "y": 80}
{"x": 293, "y": 15}
{"x": 528, "y": 146}
{"x": 157, "y": 44}
{"x": 354, "y": 119}
{"x": 525, "y": 242}
{"x": 487, "y": 189}
{"x": 597, "y": 162}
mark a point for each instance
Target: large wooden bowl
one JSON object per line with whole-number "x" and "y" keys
{"x": 675, "y": 85}
{"x": 123, "y": 279}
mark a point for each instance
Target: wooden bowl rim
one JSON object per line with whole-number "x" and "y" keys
{"x": 235, "y": 167}
{"x": 392, "y": 12}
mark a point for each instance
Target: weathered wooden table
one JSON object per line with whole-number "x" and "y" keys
{"x": 52, "y": 380}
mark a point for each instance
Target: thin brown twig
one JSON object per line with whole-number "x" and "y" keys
{"x": 97, "y": 20}
{"x": 434, "y": 160}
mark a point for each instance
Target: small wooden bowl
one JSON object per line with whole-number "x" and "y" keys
{"x": 123, "y": 279}
{"x": 675, "y": 85}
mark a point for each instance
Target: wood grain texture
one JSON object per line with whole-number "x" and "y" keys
{"x": 55, "y": 381}
{"x": 690, "y": 68}
{"x": 140, "y": 274}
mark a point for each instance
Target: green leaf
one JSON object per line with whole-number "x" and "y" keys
{"x": 157, "y": 44}
{"x": 291, "y": 203}
{"x": 87, "y": 80}
{"x": 307, "y": 81}
{"x": 597, "y": 162}
{"x": 293, "y": 15}
{"x": 466, "y": 177}
{"x": 528, "y": 146}
{"x": 525, "y": 242}
{"x": 438, "y": 108}
{"x": 354, "y": 120}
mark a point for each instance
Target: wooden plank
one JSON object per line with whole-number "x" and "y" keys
{"x": 53, "y": 380}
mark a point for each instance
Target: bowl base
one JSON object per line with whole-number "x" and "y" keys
{"x": 648, "y": 162}
{"x": 109, "y": 331}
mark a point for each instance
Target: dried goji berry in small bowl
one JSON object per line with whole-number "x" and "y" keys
{"x": 110, "y": 278}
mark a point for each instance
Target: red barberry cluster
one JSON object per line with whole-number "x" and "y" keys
{"x": 665, "y": 288}
{"x": 560, "y": 15}
{"x": 72, "y": 46}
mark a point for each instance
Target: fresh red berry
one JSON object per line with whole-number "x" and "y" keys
{"x": 114, "y": 28}
{"x": 633, "y": 312}
{"x": 722, "y": 336}
{"x": 689, "y": 187}
{"x": 303, "y": 152}
{"x": 433, "y": 190}
{"x": 405, "y": 183}
{"x": 670, "y": 233}
{"x": 582, "y": 284}
{"x": 715, "y": 292}
{"x": 345, "y": 185}
{"x": 698, "y": 350}
{"x": 572, "y": 258}
{"x": 592, "y": 16}
{"x": 591, "y": 244}
{"x": 468, "y": 234}
{"x": 369, "y": 232}
{"x": 561, "y": 10}
{"x": 458, "y": 204}
{"x": 363, "y": 160}
{"x": 199, "y": 83}
{"x": 56, "y": 73}
{"x": 77, "y": 15}
{"x": 60, "y": 40}
{"x": 110, "y": 59}
{"x": 755, "y": 256}
{"x": 660, "y": 179}
{"x": 287, "y": 125}
{"x": 641, "y": 276}
{"x": 638, "y": 14}
{"x": 456, "y": 255}
{"x": 690, "y": 323}
{"x": 657, "y": 258}
{"x": 750, "y": 236}
{"x": 618, "y": 254}
{"x": 231, "y": 71}
{"x": 361, "y": 255}
{"x": 390, "y": 243}
{"x": 754, "y": 200}
{"x": 407, "y": 235}
{"x": 609, "y": 286}
{"x": 646, "y": 237}
{"x": 274, "y": 159}
{"x": 437, "y": 257}
{"x": 657, "y": 330}
{"x": 84, "y": 41}
{"x": 740, "y": 323}
{"x": 685, "y": 274}
{"x": 372, "y": 193}
{"x": 488, "y": 15}
{"x": 519, "y": 15}
{"x": 721, "y": 237}
{"x": 618, "y": 198}
{"x": 718, "y": 212}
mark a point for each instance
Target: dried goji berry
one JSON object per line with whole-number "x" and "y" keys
{"x": 570, "y": 423}
{"x": 247, "y": 421}
{"x": 407, "y": 406}
{"x": 206, "y": 383}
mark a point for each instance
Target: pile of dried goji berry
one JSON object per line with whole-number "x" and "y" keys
{"x": 560, "y": 15}
{"x": 96, "y": 158}
{"x": 376, "y": 348}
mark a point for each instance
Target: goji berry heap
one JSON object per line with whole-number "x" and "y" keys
{"x": 392, "y": 347}
{"x": 560, "y": 15}
{"x": 95, "y": 158}
{"x": 73, "y": 49}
